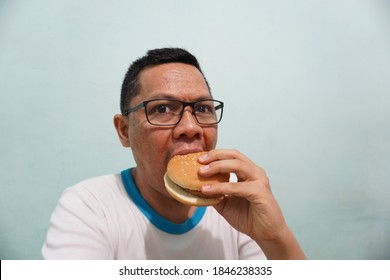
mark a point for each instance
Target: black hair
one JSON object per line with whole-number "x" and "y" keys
{"x": 130, "y": 85}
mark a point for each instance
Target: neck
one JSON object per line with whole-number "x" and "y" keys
{"x": 161, "y": 201}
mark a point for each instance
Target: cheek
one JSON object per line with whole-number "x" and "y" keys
{"x": 150, "y": 141}
{"x": 210, "y": 135}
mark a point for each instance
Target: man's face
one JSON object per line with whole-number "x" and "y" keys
{"x": 153, "y": 146}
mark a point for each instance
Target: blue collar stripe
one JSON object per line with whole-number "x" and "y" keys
{"x": 157, "y": 220}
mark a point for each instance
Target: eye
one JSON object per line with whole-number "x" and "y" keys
{"x": 204, "y": 108}
{"x": 162, "y": 109}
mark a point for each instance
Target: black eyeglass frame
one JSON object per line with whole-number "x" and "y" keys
{"x": 185, "y": 104}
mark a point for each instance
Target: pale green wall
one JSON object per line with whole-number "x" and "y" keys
{"x": 306, "y": 86}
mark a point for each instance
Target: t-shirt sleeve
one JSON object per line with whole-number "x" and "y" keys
{"x": 248, "y": 249}
{"x": 77, "y": 228}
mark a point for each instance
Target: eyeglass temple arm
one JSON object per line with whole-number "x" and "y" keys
{"x": 219, "y": 107}
{"x": 139, "y": 106}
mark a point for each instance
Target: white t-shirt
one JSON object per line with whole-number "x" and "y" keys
{"x": 107, "y": 218}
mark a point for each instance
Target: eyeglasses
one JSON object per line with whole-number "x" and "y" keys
{"x": 168, "y": 112}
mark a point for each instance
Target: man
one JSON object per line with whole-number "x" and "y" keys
{"x": 131, "y": 215}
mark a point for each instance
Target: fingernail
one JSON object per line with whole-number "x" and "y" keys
{"x": 203, "y": 157}
{"x": 204, "y": 167}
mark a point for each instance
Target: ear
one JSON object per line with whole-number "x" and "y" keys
{"x": 121, "y": 124}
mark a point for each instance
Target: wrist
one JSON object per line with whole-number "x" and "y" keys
{"x": 282, "y": 246}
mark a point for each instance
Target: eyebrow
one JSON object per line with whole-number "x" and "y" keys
{"x": 175, "y": 97}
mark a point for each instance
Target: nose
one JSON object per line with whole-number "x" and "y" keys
{"x": 188, "y": 125}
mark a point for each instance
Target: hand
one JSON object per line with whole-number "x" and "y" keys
{"x": 249, "y": 205}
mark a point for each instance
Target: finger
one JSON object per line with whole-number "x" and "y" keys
{"x": 245, "y": 170}
{"x": 249, "y": 190}
{"x": 221, "y": 154}
{"x": 215, "y": 167}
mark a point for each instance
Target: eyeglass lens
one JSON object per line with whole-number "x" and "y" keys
{"x": 168, "y": 112}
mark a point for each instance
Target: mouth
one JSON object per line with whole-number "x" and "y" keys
{"x": 182, "y": 150}
{"x": 187, "y": 151}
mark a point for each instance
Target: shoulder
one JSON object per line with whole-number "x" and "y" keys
{"x": 97, "y": 186}
{"x": 98, "y": 190}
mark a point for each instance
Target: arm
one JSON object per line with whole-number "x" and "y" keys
{"x": 250, "y": 206}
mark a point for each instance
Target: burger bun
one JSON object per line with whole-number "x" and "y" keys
{"x": 184, "y": 184}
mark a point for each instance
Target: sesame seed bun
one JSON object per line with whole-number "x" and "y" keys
{"x": 184, "y": 184}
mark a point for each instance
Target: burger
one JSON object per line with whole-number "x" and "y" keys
{"x": 184, "y": 184}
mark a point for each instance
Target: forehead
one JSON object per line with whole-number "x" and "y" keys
{"x": 172, "y": 80}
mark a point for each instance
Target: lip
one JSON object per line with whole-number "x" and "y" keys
{"x": 187, "y": 151}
